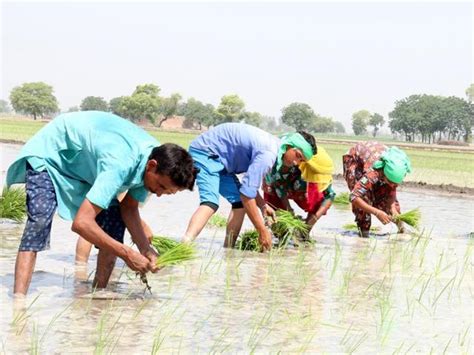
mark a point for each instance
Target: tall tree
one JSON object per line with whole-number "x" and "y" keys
{"x": 144, "y": 103}
{"x": 115, "y": 105}
{"x": 339, "y": 127}
{"x": 360, "y": 120}
{"x": 4, "y": 107}
{"x": 230, "y": 109}
{"x": 297, "y": 115}
{"x": 168, "y": 107}
{"x": 376, "y": 120}
{"x": 94, "y": 103}
{"x": 470, "y": 93}
{"x": 197, "y": 113}
{"x": 252, "y": 118}
{"x": 322, "y": 124}
{"x": 35, "y": 99}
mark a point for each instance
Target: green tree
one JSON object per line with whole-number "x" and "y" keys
{"x": 269, "y": 123}
{"x": 339, "y": 127}
{"x": 144, "y": 103}
{"x": 376, "y": 120}
{"x": 168, "y": 107}
{"x": 297, "y": 115}
{"x": 470, "y": 93}
{"x": 197, "y": 113}
{"x": 73, "y": 109}
{"x": 322, "y": 124}
{"x": 94, "y": 103}
{"x": 426, "y": 116}
{"x": 360, "y": 120}
{"x": 35, "y": 99}
{"x": 4, "y": 107}
{"x": 252, "y": 118}
{"x": 115, "y": 105}
{"x": 230, "y": 109}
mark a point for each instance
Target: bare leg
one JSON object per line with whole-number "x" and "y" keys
{"x": 83, "y": 250}
{"x": 234, "y": 223}
{"x": 24, "y": 267}
{"x": 105, "y": 266}
{"x": 198, "y": 221}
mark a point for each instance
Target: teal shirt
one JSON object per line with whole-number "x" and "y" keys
{"x": 90, "y": 154}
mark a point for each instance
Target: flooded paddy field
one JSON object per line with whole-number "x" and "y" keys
{"x": 391, "y": 293}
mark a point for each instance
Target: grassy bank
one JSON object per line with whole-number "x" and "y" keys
{"x": 430, "y": 166}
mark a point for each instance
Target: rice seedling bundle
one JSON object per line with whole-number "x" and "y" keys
{"x": 288, "y": 227}
{"x": 412, "y": 218}
{"x": 176, "y": 255}
{"x": 218, "y": 221}
{"x": 248, "y": 240}
{"x": 13, "y": 204}
{"x": 342, "y": 198}
{"x": 163, "y": 244}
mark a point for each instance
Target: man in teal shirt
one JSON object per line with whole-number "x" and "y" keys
{"x": 79, "y": 163}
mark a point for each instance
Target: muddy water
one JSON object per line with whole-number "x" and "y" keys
{"x": 388, "y": 293}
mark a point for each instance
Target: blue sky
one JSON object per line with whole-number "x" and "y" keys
{"x": 337, "y": 57}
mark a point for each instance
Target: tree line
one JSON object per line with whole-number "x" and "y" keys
{"x": 418, "y": 117}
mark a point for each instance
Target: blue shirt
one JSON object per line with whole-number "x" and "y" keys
{"x": 242, "y": 148}
{"x": 90, "y": 154}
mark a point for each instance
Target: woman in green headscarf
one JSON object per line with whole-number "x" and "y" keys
{"x": 372, "y": 172}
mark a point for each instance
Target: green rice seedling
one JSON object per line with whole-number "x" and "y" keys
{"x": 412, "y": 218}
{"x": 176, "y": 255}
{"x": 289, "y": 227}
{"x": 162, "y": 244}
{"x": 342, "y": 198}
{"x": 217, "y": 221}
{"x": 13, "y": 204}
{"x": 354, "y": 228}
{"x": 248, "y": 240}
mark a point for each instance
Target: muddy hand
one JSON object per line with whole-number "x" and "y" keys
{"x": 269, "y": 215}
{"x": 265, "y": 240}
{"x": 137, "y": 262}
{"x": 151, "y": 255}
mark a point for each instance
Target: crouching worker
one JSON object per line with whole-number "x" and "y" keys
{"x": 308, "y": 184}
{"x": 373, "y": 172}
{"x": 79, "y": 163}
{"x": 220, "y": 154}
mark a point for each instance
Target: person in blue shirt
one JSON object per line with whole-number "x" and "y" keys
{"x": 237, "y": 148}
{"x": 78, "y": 164}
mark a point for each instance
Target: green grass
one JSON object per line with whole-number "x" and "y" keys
{"x": 217, "y": 221}
{"x": 13, "y": 204}
{"x": 342, "y": 198}
{"x": 163, "y": 244}
{"x": 429, "y": 166}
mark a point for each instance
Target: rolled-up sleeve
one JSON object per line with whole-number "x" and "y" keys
{"x": 260, "y": 165}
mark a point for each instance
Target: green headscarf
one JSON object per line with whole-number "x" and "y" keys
{"x": 395, "y": 164}
{"x": 294, "y": 140}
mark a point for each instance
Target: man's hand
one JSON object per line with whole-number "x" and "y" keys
{"x": 383, "y": 217}
{"x": 268, "y": 214}
{"x": 151, "y": 255}
{"x": 137, "y": 262}
{"x": 265, "y": 240}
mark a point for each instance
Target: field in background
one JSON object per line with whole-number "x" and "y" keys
{"x": 441, "y": 166}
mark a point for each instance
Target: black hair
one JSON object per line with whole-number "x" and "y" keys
{"x": 175, "y": 162}
{"x": 310, "y": 139}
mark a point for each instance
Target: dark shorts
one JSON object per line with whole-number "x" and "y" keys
{"x": 41, "y": 204}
